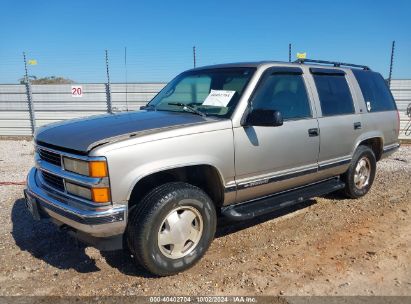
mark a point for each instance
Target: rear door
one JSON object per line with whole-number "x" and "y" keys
{"x": 339, "y": 121}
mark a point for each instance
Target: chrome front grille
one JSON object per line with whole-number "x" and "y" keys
{"x": 53, "y": 176}
{"x": 53, "y": 181}
{"x": 51, "y": 157}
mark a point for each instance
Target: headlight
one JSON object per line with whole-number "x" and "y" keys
{"x": 92, "y": 168}
{"x": 76, "y": 166}
{"x": 97, "y": 195}
{"x": 78, "y": 190}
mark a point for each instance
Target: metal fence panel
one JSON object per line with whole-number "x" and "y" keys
{"x": 14, "y": 115}
{"x": 54, "y": 102}
{"x": 401, "y": 90}
{"x": 137, "y": 87}
{"x": 65, "y": 89}
{"x": 19, "y": 115}
{"x": 6, "y": 106}
{"x": 13, "y": 97}
{"x": 12, "y": 88}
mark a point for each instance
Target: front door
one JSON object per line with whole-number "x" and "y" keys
{"x": 273, "y": 159}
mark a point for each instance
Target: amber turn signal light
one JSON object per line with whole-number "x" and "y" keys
{"x": 100, "y": 195}
{"x": 98, "y": 169}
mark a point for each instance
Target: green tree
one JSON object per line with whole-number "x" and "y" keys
{"x": 47, "y": 80}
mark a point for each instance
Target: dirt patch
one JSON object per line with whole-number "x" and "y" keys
{"x": 326, "y": 246}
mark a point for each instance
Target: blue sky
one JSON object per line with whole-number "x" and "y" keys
{"x": 68, "y": 38}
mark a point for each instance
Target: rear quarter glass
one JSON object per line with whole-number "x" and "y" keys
{"x": 375, "y": 91}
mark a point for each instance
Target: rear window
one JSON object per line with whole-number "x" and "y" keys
{"x": 376, "y": 93}
{"x": 335, "y": 96}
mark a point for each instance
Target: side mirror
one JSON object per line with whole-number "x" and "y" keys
{"x": 264, "y": 118}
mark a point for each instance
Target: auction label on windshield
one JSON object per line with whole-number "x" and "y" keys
{"x": 218, "y": 98}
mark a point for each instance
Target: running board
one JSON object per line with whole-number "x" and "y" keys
{"x": 248, "y": 210}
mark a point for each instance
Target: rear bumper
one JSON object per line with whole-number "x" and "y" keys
{"x": 87, "y": 223}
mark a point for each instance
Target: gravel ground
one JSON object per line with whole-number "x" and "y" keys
{"x": 326, "y": 246}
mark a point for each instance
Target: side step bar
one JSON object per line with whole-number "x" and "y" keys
{"x": 248, "y": 210}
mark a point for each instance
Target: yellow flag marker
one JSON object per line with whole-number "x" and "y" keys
{"x": 32, "y": 62}
{"x": 301, "y": 55}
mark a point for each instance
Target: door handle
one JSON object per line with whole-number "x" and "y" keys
{"x": 313, "y": 132}
{"x": 357, "y": 125}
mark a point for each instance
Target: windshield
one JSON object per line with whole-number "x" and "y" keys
{"x": 213, "y": 92}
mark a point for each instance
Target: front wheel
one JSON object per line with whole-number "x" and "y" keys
{"x": 361, "y": 173}
{"x": 171, "y": 228}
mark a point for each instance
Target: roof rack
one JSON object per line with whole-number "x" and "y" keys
{"x": 334, "y": 63}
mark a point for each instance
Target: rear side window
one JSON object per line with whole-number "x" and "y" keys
{"x": 335, "y": 96}
{"x": 375, "y": 91}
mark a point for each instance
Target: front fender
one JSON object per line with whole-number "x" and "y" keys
{"x": 155, "y": 167}
{"x": 129, "y": 164}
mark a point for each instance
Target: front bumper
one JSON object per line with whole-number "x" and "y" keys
{"x": 108, "y": 222}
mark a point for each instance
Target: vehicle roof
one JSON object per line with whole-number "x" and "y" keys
{"x": 248, "y": 64}
{"x": 257, "y": 64}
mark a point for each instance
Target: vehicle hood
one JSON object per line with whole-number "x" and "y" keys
{"x": 84, "y": 134}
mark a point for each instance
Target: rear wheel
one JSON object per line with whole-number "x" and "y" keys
{"x": 171, "y": 228}
{"x": 361, "y": 173}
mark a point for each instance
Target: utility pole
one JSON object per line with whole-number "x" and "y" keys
{"x": 289, "y": 52}
{"x": 125, "y": 68}
{"x": 29, "y": 96}
{"x": 391, "y": 63}
{"x": 194, "y": 56}
{"x": 108, "y": 88}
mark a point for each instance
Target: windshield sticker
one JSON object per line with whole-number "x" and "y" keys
{"x": 218, "y": 98}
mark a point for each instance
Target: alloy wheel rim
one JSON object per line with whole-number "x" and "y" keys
{"x": 180, "y": 232}
{"x": 362, "y": 173}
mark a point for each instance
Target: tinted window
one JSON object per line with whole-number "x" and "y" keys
{"x": 284, "y": 93}
{"x": 335, "y": 96}
{"x": 375, "y": 91}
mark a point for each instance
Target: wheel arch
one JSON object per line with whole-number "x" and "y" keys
{"x": 205, "y": 176}
{"x": 374, "y": 141}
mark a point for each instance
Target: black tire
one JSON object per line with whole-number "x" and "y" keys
{"x": 351, "y": 190}
{"x": 146, "y": 219}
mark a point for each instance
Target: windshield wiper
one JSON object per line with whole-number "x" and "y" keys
{"x": 187, "y": 108}
{"x": 148, "y": 107}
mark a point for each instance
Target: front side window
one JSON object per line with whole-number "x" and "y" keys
{"x": 334, "y": 94}
{"x": 213, "y": 92}
{"x": 375, "y": 91}
{"x": 285, "y": 93}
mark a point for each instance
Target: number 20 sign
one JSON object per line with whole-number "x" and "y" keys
{"x": 76, "y": 91}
